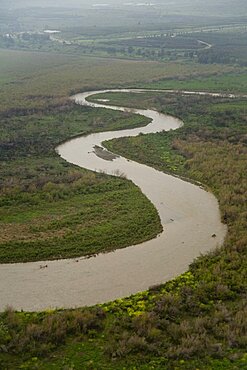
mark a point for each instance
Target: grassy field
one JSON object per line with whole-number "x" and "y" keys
{"x": 196, "y": 321}
{"x": 229, "y": 83}
{"x": 50, "y": 209}
{"x": 224, "y": 45}
{"x": 33, "y": 80}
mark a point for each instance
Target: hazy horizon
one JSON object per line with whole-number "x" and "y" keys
{"x": 220, "y": 7}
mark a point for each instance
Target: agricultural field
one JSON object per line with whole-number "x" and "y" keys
{"x": 164, "y": 32}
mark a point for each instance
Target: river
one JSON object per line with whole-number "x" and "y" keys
{"x": 189, "y": 216}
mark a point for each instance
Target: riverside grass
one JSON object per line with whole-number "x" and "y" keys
{"x": 51, "y": 209}
{"x": 196, "y": 321}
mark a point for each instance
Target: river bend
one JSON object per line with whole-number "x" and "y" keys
{"x": 189, "y": 216}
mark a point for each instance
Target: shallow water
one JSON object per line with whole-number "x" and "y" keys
{"x": 189, "y": 215}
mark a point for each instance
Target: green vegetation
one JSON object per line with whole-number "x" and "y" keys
{"x": 50, "y": 209}
{"x": 38, "y": 133}
{"x": 194, "y": 321}
{"x": 228, "y": 83}
{"x": 32, "y": 80}
{"x": 208, "y": 46}
{"x": 227, "y": 47}
{"x": 163, "y": 158}
{"x": 76, "y": 214}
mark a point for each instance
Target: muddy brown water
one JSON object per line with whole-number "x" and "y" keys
{"x": 189, "y": 215}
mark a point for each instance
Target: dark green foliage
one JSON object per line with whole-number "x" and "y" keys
{"x": 84, "y": 218}
{"x": 228, "y": 48}
{"x": 138, "y": 147}
{"x": 25, "y": 133}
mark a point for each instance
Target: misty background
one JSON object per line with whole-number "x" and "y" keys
{"x": 212, "y": 7}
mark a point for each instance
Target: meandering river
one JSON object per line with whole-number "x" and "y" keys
{"x": 189, "y": 215}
